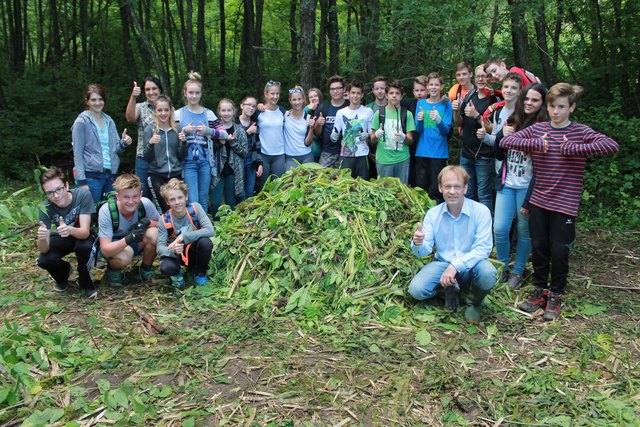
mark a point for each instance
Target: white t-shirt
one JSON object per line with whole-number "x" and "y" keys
{"x": 295, "y": 132}
{"x": 519, "y": 169}
{"x": 270, "y": 132}
{"x": 354, "y": 125}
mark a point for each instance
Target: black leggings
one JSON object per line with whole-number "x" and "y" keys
{"x": 552, "y": 236}
{"x": 58, "y": 268}
{"x": 198, "y": 254}
{"x": 426, "y": 175}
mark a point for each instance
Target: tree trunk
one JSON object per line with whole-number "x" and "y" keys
{"x": 223, "y": 43}
{"x": 494, "y": 28}
{"x": 201, "y": 41}
{"x": 556, "y": 33}
{"x": 519, "y": 34}
{"x": 293, "y": 33}
{"x": 334, "y": 38}
{"x": 247, "y": 58}
{"x": 186, "y": 27}
{"x": 307, "y": 42}
{"x": 17, "y": 52}
{"x": 157, "y": 65}
{"x": 370, "y": 30}
{"x": 540, "y": 24}
{"x": 257, "y": 50}
{"x": 126, "y": 41}
{"x": 322, "y": 37}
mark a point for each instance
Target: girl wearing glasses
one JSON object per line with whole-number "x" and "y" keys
{"x": 96, "y": 145}
{"x": 270, "y": 126}
{"x": 298, "y": 134}
{"x": 253, "y": 160}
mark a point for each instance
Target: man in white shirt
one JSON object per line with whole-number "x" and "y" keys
{"x": 460, "y": 229}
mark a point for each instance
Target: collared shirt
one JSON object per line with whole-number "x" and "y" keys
{"x": 463, "y": 241}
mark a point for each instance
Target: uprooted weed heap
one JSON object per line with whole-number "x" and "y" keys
{"x": 318, "y": 242}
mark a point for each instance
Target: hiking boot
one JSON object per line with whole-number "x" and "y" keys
{"x": 474, "y": 300}
{"x": 147, "y": 273}
{"x": 63, "y": 285}
{"x": 554, "y": 303}
{"x": 200, "y": 279}
{"x": 515, "y": 281}
{"x": 178, "y": 280}
{"x": 113, "y": 277}
{"x": 535, "y": 301}
{"x": 504, "y": 276}
{"x": 90, "y": 292}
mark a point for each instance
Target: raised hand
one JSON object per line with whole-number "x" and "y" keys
{"x": 421, "y": 115}
{"x": 455, "y": 104}
{"x": 190, "y": 128}
{"x": 43, "y": 232}
{"x": 200, "y": 129}
{"x": 126, "y": 139}
{"x": 155, "y": 138}
{"x": 418, "y": 236}
{"x": 320, "y": 120}
{"x": 135, "y": 92}
{"x": 480, "y": 133}
{"x": 63, "y": 229}
{"x": 545, "y": 143}
{"x": 182, "y": 136}
{"x": 379, "y": 133}
{"x": 508, "y": 130}
{"x": 254, "y": 128}
{"x": 470, "y": 110}
{"x": 434, "y": 115}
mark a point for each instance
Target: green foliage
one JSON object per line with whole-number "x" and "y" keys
{"x": 612, "y": 184}
{"x": 17, "y": 209}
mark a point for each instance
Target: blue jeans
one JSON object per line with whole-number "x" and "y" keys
{"x": 99, "y": 183}
{"x": 142, "y": 172}
{"x": 226, "y": 186}
{"x": 197, "y": 175}
{"x": 508, "y": 203}
{"x": 249, "y": 180}
{"x": 398, "y": 170}
{"x": 272, "y": 166}
{"x": 292, "y": 161}
{"x": 481, "y": 175}
{"x": 426, "y": 283}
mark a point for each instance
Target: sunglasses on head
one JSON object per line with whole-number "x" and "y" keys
{"x": 295, "y": 90}
{"x": 272, "y": 83}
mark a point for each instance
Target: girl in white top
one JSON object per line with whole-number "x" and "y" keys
{"x": 298, "y": 136}
{"x": 270, "y": 131}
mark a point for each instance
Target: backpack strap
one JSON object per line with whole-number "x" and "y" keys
{"x": 381, "y": 117}
{"x": 193, "y": 216}
{"x": 167, "y": 222}
{"x": 403, "y": 119}
{"x": 113, "y": 212}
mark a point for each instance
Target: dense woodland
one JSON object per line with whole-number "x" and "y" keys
{"x": 51, "y": 49}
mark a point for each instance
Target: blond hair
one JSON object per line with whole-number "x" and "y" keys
{"x": 126, "y": 181}
{"x": 193, "y": 78}
{"x": 164, "y": 98}
{"x": 459, "y": 171}
{"x": 562, "y": 90}
{"x": 174, "y": 184}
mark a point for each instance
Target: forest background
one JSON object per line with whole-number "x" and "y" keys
{"x": 51, "y": 49}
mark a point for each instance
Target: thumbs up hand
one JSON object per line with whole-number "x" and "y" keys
{"x": 43, "y": 232}
{"x": 421, "y": 115}
{"x": 63, "y": 229}
{"x": 155, "y": 138}
{"x": 545, "y": 143}
{"x": 136, "y": 90}
{"x": 455, "y": 104}
{"x": 418, "y": 236}
{"x": 470, "y": 110}
{"x": 508, "y": 130}
{"x": 435, "y": 115}
{"x": 126, "y": 139}
{"x": 480, "y": 133}
{"x": 321, "y": 120}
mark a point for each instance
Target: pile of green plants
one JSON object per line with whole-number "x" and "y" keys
{"x": 319, "y": 242}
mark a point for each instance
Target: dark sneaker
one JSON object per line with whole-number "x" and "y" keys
{"x": 64, "y": 285}
{"x": 90, "y": 292}
{"x": 515, "y": 281}
{"x": 554, "y": 303}
{"x": 504, "y": 276}
{"x": 147, "y": 273}
{"x": 113, "y": 277}
{"x": 535, "y": 301}
{"x": 178, "y": 280}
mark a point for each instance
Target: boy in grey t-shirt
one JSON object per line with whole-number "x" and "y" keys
{"x": 136, "y": 232}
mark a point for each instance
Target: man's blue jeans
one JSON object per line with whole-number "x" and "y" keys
{"x": 426, "y": 283}
{"x": 481, "y": 176}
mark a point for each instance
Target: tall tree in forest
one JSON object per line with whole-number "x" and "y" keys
{"x": 126, "y": 39}
{"x": 333, "y": 34}
{"x": 540, "y": 24}
{"x": 519, "y": 33}
{"x": 322, "y": 37}
{"x": 293, "y": 33}
{"x": 201, "y": 39}
{"x": 307, "y": 42}
{"x": 223, "y": 41}
{"x": 370, "y": 28}
{"x": 186, "y": 28}
{"x": 54, "y": 36}
{"x": 17, "y": 53}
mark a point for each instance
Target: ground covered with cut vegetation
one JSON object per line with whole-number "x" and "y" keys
{"x": 273, "y": 341}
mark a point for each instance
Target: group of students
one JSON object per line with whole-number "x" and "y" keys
{"x": 518, "y": 139}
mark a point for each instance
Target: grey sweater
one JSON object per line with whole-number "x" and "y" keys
{"x": 184, "y": 226}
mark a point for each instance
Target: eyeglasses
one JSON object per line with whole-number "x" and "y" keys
{"x": 336, "y": 88}
{"x": 58, "y": 191}
{"x": 295, "y": 90}
{"x": 249, "y": 105}
{"x": 272, "y": 83}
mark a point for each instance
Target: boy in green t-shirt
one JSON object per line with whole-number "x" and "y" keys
{"x": 394, "y": 136}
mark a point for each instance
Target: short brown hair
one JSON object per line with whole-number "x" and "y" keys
{"x": 457, "y": 170}
{"x": 335, "y": 79}
{"x": 562, "y": 90}
{"x": 174, "y": 184}
{"x": 52, "y": 173}
{"x": 95, "y": 88}
{"x": 421, "y": 80}
{"x": 464, "y": 65}
{"x": 491, "y": 61}
{"x": 513, "y": 76}
{"x": 436, "y": 76}
{"x": 126, "y": 181}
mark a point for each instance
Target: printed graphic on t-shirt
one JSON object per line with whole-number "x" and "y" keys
{"x": 391, "y": 127}
{"x": 517, "y": 163}
{"x": 352, "y": 135}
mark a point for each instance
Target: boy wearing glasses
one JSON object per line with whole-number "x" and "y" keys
{"x": 65, "y": 221}
{"x": 325, "y": 119}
